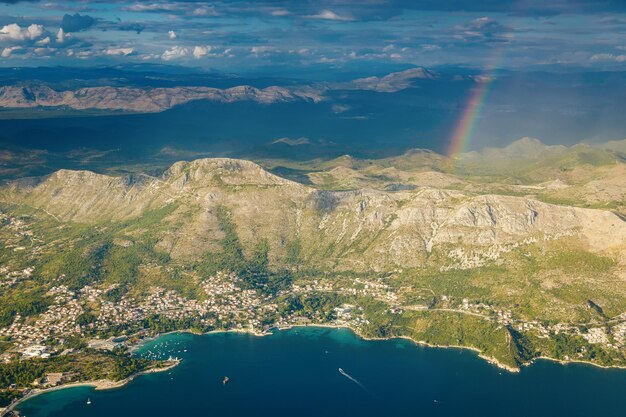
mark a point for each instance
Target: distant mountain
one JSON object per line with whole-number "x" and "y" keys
{"x": 390, "y": 83}
{"x": 144, "y": 100}
{"x": 159, "y": 99}
{"x": 522, "y": 148}
{"x": 614, "y": 145}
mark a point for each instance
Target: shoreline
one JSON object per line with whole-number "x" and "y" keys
{"x": 573, "y": 361}
{"x": 486, "y": 358}
{"x": 98, "y": 385}
{"x": 105, "y": 384}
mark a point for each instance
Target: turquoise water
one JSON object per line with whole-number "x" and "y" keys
{"x": 295, "y": 373}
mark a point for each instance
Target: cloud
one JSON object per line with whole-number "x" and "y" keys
{"x": 292, "y": 142}
{"x": 201, "y": 51}
{"x": 483, "y": 29}
{"x": 76, "y": 22}
{"x": 280, "y": 12}
{"x": 132, "y": 27}
{"x": 120, "y": 51}
{"x": 15, "y": 32}
{"x": 378, "y": 9}
{"x": 176, "y": 52}
{"x": 60, "y": 36}
{"x": 261, "y": 50}
{"x": 171, "y": 34}
{"x": 330, "y": 15}
{"x": 205, "y": 10}
{"x": 6, "y": 52}
{"x": 43, "y": 42}
{"x": 608, "y": 57}
{"x": 188, "y": 9}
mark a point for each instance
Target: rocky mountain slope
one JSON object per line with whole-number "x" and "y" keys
{"x": 357, "y": 229}
{"x": 409, "y": 250}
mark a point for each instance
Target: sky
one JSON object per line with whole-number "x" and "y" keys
{"x": 241, "y": 35}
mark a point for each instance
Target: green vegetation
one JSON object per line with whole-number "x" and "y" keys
{"x": 85, "y": 366}
{"x": 415, "y": 257}
{"x": 255, "y": 269}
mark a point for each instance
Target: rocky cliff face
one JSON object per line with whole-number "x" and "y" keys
{"x": 360, "y": 229}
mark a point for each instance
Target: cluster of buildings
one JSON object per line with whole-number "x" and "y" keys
{"x": 16, "y": 234}
{"x": 593, "y": 335}
{"x": 225, "y": 301}
{"x": 361, "y": 288}
{"x": 60, "y": 319}
{"x": 8, "y": 278}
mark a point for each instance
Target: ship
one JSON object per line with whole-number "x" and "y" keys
{"x": 225, "y": 381}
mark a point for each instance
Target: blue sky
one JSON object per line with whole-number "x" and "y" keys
{"x": 240, "y": 36}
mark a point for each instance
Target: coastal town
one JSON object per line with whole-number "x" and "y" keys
{"x": 110, "y": 317}
{"x": 87, "y": 313}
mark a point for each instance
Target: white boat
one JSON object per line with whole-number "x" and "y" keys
{"x": 88, "y": 401}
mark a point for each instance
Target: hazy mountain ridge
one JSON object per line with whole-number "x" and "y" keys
{"x": 144, "y": 100}
{"x": 160, "y": 99}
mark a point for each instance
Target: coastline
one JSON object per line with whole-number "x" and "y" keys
{"x": 98, "y": 385}
{"x": 105, "y": 384}
{"x": 574, "y": 361}
{"x": 488, "y": 359}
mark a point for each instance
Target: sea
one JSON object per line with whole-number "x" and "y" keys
{"x": 323, "y": 372}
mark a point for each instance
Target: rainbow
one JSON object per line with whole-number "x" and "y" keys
{"x": 466, "y": 124}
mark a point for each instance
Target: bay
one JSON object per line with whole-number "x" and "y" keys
{"x": 296, "y": 373}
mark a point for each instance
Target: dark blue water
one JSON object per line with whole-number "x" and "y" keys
{"x": 295, "y": 373}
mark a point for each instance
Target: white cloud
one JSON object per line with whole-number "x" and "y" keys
{"x": 301, "y": 51}
{"x": 608, "y": 57}
{"x": 175, "y": 53}
{"x": 84, "y": 54}
{"x": 291, "y": 142}
{"x": 330, "y": 15}
{"x": 119, "y": 51}
{"x": 6, "y": 52}
{"x": 15, "y": 32}
{"x": 201, "y": 51}
{"x": 430, "y": 47}
{"x": 44, "y": 41}
{"x": 261, "y": 50}
{"x": 171, "y": 34}
{"x": 204, "y": 11}
{"x": 60, "y": 35}
{"x": 280, "y": 12}
{"x": 186, "y": 9}
{"x": 152, "y": 7}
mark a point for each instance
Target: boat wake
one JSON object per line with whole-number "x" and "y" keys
{"x": 356, "y": 381}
